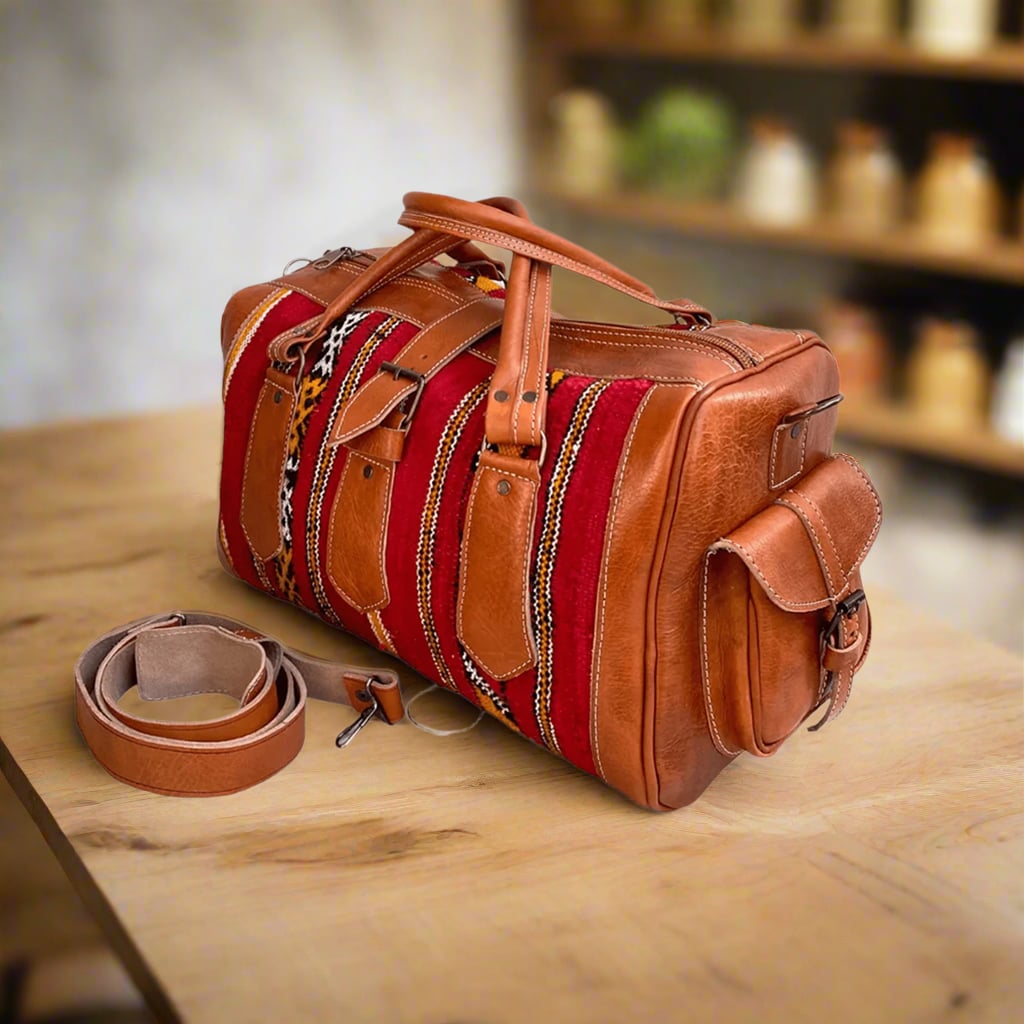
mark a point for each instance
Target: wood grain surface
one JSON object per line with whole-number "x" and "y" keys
{"x": 871, "y": 872}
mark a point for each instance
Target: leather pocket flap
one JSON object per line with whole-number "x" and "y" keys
{"x": 805, "y": 548}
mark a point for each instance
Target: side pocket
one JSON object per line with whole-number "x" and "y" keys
{"x": 770, "y": 589}
{"x": 264, "y": 465}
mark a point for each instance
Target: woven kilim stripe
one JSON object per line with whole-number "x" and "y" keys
{"x": 547, "y": 552}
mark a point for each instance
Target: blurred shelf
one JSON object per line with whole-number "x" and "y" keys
{"x": 1004, "y": 62}
{"x": 893, "y": 426}
{"x": 1002, "y": 261}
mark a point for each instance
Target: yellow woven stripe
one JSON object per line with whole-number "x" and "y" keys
{"x": 380, "y": 631}
{"x": 546, "y": 552}
{"x": 249, "y": 327}
{"x": 428, "y": 525}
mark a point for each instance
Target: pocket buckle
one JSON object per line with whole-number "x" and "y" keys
{"x": 845, "y": 609}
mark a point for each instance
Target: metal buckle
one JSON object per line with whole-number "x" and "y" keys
{"x": 806, "y": 414}
{"x": 412, "y": 401}
{"x": 845, "y": 609}
{"x": 485, "y": 445}
{"x": 350, "y": 732}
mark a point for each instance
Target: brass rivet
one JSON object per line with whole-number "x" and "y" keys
{"x": 795, "y": 432}
{"x": 504, "y": 487}
{"x": 501, "y": 396}
{"x": 529, "y": 396}
{"x": 277, "y": 397}
{"x": 367, "y": 471}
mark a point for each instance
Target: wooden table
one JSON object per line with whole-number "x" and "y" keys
{"x": 871, "y": 873}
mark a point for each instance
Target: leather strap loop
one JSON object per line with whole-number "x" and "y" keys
{"x": 179, "y": 654}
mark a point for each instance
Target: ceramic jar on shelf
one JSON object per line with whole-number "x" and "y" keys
{"x": 863, "y": 21}
{"x": 597, "y": 14}
{"x": 1008, "y": 394}
{"x": 777, "y": 182}
{"x": 855, "y": 337}
{"x": 763, "y": 20}
{"x": 948, "y": 376}
{"x": 865, "y": 186}
{"x": 958, "y": 200}
{"x": 586, "y": 143}
{"x": 676, "y": 16}
{"x": 953, "y": 26}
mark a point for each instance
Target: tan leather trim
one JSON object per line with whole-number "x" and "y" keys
{"x": 618, "y": 686}
{"x": 493, "y": 611}
{"x": 388, "y": 696}
{"x": 430, "y": 350}
{"x": 517, "y": 401}
{"x": 719, "y": 482}
{"x": 237, "y": 311}
{"x": 264, "y": 464}
{"x": 357, "y": 532}
{"x": 804, "y": 548}
{"x": 383, "y": 442}
{"x": 488, "y": 222}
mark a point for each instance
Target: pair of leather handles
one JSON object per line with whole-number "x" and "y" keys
{"x": 517, "y": 399}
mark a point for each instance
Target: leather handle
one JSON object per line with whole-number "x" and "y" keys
{"x": 491, "y": 221}
{"x": 517, "y": 400}
{"x": 419, "y": 248}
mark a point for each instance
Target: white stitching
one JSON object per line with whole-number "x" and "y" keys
{"x": 689, "y": 382}
{"x": 878, "y": 508}
{"x": 599, "y": 633}
{"x": 277, "y": 348}
{"x": 464, "y": 567}
{"x": 822, "y": 558}
{"x": 785, "y": 427}
{"x": 729, "y": 544}
{"x": 709, "y": 703}
{"x": 341, "y": 433}
{"x": 382, "y": 534}
{"x": 545, "y": 256}
{"x": 828, "y": 533}
{"x": 267, "y": 384}
{"x": 595, "y": 336}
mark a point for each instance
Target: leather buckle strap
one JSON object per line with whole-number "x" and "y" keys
{"x": 845, "y": 609}
{"x": 179, "y": 654}
{"x": 840, "y": 661}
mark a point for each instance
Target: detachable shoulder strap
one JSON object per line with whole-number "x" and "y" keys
{"x": 180, "y": 654}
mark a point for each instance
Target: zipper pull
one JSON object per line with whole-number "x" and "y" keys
{"x": 329, "y": 258}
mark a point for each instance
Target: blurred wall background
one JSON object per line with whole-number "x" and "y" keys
{"x": 154, "y": 157}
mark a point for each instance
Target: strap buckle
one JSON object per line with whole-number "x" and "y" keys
{"x": 350, "y": 732}
{"x": 845, "y": 609}
{"x": 812, "y": 410}
{"x": 410, "y": 403}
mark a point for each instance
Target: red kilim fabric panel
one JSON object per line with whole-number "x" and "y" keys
{"x": 587, "y": 423}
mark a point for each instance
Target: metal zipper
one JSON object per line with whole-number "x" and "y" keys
{"x": 741, "y": 353}
{"x": 329, "y": 259}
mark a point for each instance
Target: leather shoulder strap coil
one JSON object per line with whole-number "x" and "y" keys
{"x": 179, "y": 654}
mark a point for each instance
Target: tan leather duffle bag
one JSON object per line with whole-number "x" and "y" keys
{"x": 633, "y": 545}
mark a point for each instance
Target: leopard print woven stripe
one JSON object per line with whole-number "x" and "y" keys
{"x": 245, "y": 334}
{"x": 547, "y": 551}
{"x": 327, "y": 454}
{"x": 311, "y": 387}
